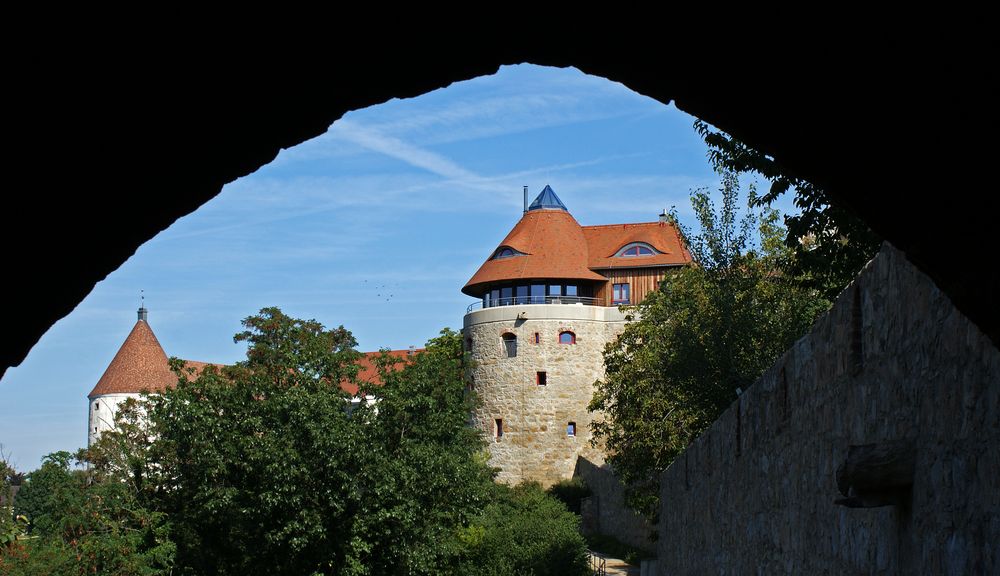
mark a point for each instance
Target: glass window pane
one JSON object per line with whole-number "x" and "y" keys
{"x": 555, "y": 290}
{"x": 506, "y": 296}
{"x": 643, "y": 251}
{"x": 571, "y": 290}
{"x": 538, "y": 293}
{"x": 522, "y": 294}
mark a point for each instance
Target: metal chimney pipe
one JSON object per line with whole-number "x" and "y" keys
{"x": 525, "y": 199}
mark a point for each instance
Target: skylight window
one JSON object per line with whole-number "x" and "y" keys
{"x": 636, "y": 249}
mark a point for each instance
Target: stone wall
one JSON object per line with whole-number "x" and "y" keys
{"x": 535, "y": 444}
{"x": 604, "y": 511}
{"x": 893, "y": 360}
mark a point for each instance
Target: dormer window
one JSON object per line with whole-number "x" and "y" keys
{"x": 636, "y": 249}
{"x": 505, "y": 252}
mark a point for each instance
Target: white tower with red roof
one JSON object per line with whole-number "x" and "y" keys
{"x": 140, "y": 364}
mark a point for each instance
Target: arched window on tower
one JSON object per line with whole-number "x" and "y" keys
{"x": 510, "y": 344}
{"x": 567, "y": 337}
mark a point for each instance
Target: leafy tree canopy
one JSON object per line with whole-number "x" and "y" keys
{"x": 711, "y": 329}
{"x": 267, "y": 467}
{"x": 523, "y": 530}
{"x": 85, "y": 524}
{"x": 830, "y": 244}
{"x": 271, "y": 471}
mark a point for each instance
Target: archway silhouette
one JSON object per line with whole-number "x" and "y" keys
{"x": 180, "y": 130}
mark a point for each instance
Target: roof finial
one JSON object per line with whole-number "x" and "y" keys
{"x": 143, "y": 313}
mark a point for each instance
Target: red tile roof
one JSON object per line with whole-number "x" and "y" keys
{"x": 557, "y": 247}
{"x": 553, "y": 245}
{"x": 603, "y": 242}
{"x": 141, "y": 364}
{"x": 368, "y": 373}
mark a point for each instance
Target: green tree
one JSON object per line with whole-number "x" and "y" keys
{"x": 271, "y": 473}
{"x": 830, "y": 244}
{"x": 523, "y": 530}
{"x": 262, "y": 455}
{"x": 47, "y": 493}
{"x": 12, "y": 526}
{"x": 84, "y": 523}
{"x": 710, "y": 330}
{"x": 424, "y": 477}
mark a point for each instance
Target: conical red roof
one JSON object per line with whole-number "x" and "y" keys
{"x": 552, "y": 245}
{"x": 140, "y": 364}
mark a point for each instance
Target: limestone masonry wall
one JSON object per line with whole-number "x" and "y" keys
{"x": 893, "y": 360}
{"x": 535, "y": 444}
{"x": 604, "y": 511}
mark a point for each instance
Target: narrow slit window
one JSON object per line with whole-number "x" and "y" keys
{"x": 540, "y": 378}
{"x": 538, "y": 338}
{"x": 498, "y": 429}
{"x": 571, "y": 429}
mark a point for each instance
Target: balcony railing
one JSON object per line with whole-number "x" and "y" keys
{"x": 521, "y": 300}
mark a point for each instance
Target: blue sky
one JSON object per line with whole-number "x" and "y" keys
{"x": 375, "y": 225}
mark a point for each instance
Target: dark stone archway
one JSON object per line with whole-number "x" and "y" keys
{"x": 111, "y": 152}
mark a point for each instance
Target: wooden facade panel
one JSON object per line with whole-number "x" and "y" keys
{"x": 641, "y": 281}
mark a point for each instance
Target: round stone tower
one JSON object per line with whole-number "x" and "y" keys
{"x": 534, "y": 371}
{"x": 549, "y": 304}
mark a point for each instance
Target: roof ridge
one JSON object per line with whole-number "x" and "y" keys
{"x": 621, "y": 225}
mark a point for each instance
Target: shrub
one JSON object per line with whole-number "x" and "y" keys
{"x": 570, "y": 493}
{"x": 524, "y": 531}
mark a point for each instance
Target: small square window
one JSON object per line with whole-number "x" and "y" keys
{"x": 540, "y": 378}
{"x": 571, "y": 429}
